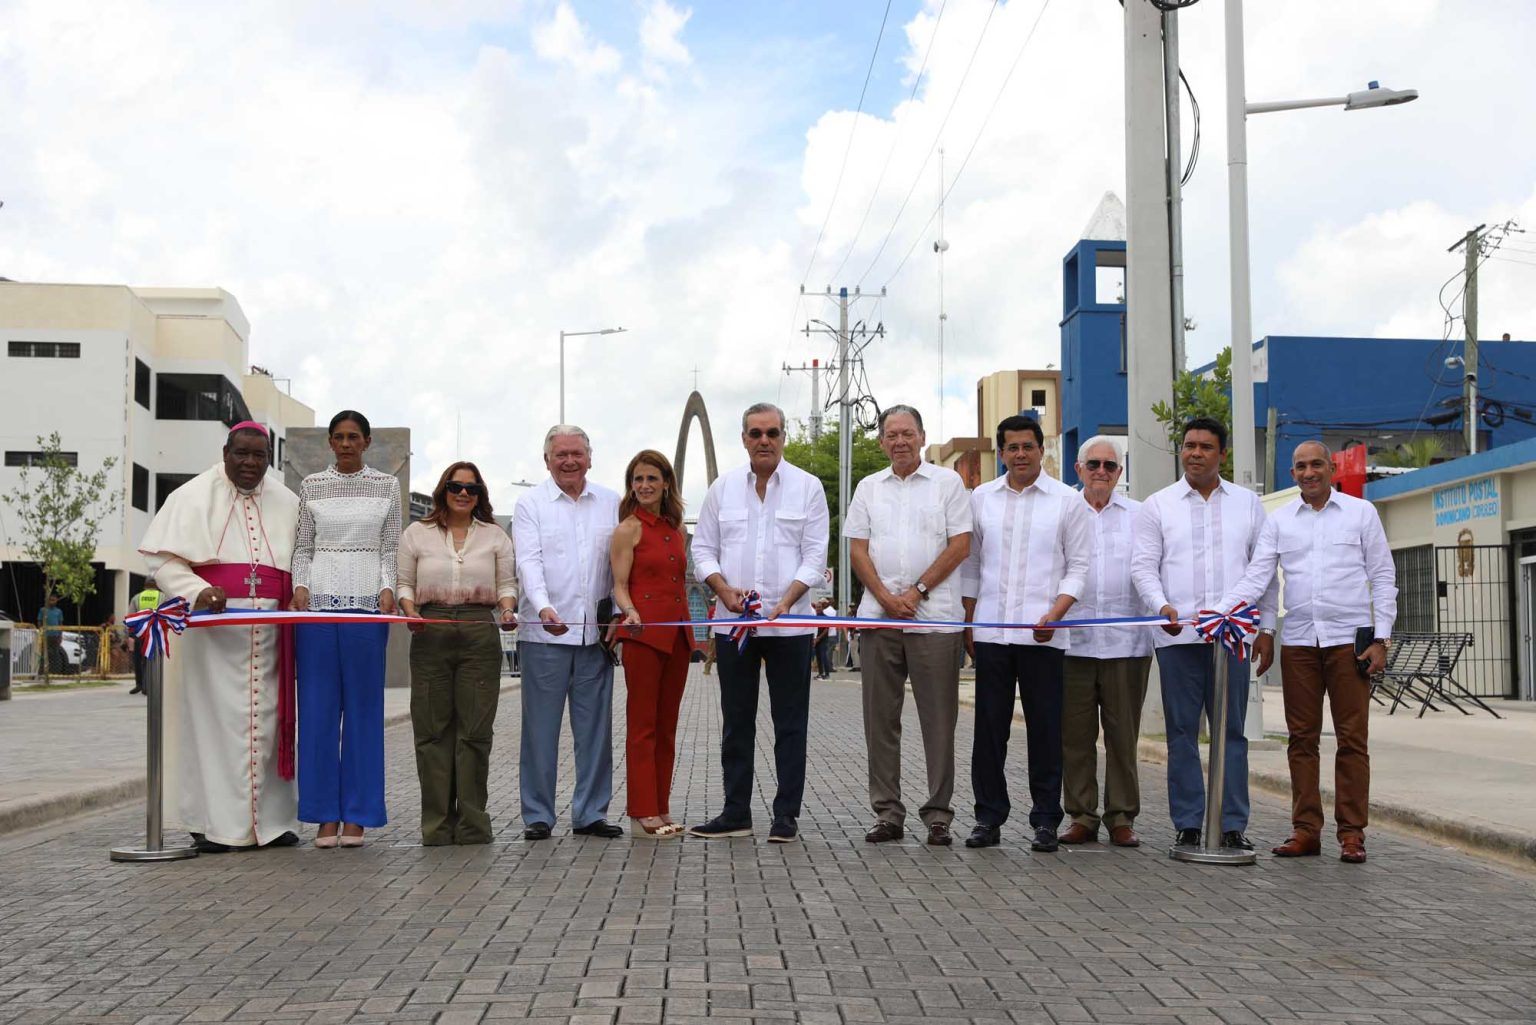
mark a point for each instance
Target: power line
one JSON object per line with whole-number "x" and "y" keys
{"x": 900, "y": 129}
{"x": 977, "y": 140}
{"x": 918, "y": 177}
{"x": 852, "y": 131}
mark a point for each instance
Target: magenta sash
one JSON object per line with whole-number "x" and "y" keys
{"x": 276, "y": 584}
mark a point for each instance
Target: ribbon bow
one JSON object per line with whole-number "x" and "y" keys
{"x": 1231, "y": 629}
{"x": 151, "y": 628}
{"x": 751, "y": 608}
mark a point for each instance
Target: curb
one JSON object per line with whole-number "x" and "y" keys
{"x": 1488, "y": 840}
{"x": 41, "y": 812}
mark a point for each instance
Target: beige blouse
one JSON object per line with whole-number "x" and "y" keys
{"x": 432, "y": 571}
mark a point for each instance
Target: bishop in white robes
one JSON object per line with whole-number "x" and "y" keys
{"x": 225, "y": 540}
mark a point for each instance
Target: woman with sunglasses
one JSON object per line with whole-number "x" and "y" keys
{"x": 344, "y": 561}
{"x": 456, "y": 564}
{"x": 650, "y": 572}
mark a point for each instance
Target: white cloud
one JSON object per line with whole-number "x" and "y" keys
{"x": 565, "y": 39}
{"x": 659, "y": 32}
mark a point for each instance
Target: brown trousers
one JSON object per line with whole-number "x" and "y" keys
{"x": 1111, "y": 689}
{"x": 887, "y": 659}
{"x": 1307, "y": 674}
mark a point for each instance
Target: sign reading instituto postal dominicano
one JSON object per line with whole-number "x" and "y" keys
{"x": 1467, "y": 502}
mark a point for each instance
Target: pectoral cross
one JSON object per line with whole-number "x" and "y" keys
{"x": 253, "y": 580}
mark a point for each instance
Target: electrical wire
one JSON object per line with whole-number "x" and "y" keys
{"x": 959, "y": 89}
{"x": 1194, "y": 143}
{"x": 980, "y": 132}
{"x": 852, "y": 131}
{"x": 900, "y": 129}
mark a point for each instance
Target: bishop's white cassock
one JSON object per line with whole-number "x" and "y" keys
{"x": 221, "y": 683}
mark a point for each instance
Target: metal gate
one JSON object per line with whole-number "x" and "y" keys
{"x": 1474, "y": 594}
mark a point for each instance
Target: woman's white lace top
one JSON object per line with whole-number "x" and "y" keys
{"x": 349, "y": 537}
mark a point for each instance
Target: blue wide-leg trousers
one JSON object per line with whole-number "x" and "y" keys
{"x": 1188, "y": 673}
{"x": 341, "y": 722}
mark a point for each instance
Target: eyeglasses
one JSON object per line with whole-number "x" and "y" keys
{"x": 758, "y": 432}
{"x": 455, "y": 487}
{"x": 1109, "y": 465}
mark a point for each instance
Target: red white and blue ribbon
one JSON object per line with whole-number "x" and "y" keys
{"x": 751, "y": 612}
{"x": 152, "y": 628}
{"x": 1232, "y": 630}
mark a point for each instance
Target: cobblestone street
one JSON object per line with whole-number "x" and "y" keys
{"x": 827, "y": 931}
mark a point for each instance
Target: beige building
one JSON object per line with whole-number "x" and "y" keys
{"x": 151, "y": 377}
{"x": 1035, "y": 393}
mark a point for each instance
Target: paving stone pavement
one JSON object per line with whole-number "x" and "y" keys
{"x": 825, "y": 932}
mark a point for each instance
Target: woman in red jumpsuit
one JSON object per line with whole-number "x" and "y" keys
{"x": 650, "y": 571}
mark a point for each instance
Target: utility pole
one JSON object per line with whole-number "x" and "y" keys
{"x": 1175, "y": 185}
{"x": 941, "y": 247}
{"x": 815, "y": 370}
{"x": 1472, "y": 243}
{"x": 845, "y": 403}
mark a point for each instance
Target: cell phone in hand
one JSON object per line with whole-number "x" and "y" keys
{"x": 1365, "y": 636}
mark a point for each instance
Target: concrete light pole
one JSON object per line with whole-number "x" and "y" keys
{"x": 576, "y": 334}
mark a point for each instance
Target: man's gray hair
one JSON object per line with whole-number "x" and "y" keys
{"x": 917, "y": 417}
{"x": 1319, "y": 442}
{"x": 563, "y": 431}
{"x": 1116, "y": 445}
{"x": 763, "y": 407}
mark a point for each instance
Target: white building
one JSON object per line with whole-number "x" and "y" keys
{"x": 152, "y": 377}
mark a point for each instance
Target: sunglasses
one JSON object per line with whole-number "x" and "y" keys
{"x": 1109, "y": 465}
{"x": 454, "y": 487}
{"x": 758, "y": 432}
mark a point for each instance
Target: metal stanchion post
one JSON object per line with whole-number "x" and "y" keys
{"x": 154, "y": 848}
{"x": 1213, "y": 853}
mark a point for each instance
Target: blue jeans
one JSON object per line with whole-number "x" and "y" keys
{"x": 1188, "y": 674}
{"x": 554, "y": 675}
{"x": 341, "y": 722}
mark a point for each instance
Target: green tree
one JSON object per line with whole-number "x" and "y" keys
{"x": 819, "y": 458}
{"x": 61, "y": 509}
{"x": 1199, "y": 396}
{"x": 1416, "y": 452}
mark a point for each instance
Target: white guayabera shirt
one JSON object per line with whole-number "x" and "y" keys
{"x": 764, "y": 544}
{"x": 1107, "y": 592}
{"x": 1027, "y": 547}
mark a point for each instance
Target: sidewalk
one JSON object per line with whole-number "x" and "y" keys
{"x": 1465, "y": 779}
{"x": 72, "y": 751}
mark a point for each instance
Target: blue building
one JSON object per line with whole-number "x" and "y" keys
{"x": 1093, "y": 381}
{"x": 1379, "y": 392}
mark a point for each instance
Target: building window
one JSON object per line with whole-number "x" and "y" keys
{"x": 36, "y": 458}
{"x": 140, "y": 488}
{"x": 165, "y": 483}
{"x": 1037, "y": 398}
{"x": 45, "y": 350}
{"x": 278, "y": 451}
{"x": 141, "y": 383}
{"x": 199, "y": 397}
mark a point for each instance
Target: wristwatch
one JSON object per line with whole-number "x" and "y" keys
{"x": 1267, "y": 631}
{"x": 922, "y": 590}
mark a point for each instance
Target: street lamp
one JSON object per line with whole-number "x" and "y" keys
{"x": 576, "y": 334}
{"x": 1238, "y": 109}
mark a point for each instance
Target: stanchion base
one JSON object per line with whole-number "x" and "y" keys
{"x": 164, "y": 854}
{"x": 1212, "y": 856}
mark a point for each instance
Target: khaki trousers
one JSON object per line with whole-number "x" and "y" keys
{"x": 1306, "y": 675}
{"x": 887, "y": 659}
{"x": 1110, "y": 690}
{"x": 455, "y": 686}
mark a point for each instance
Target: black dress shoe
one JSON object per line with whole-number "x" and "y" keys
{"x": 288, "y": 839}
{"x": 984, "y": 836}
{"x": 1045, "y": 840}
{"x": 600, "y": 828}
{"x": 884, "y": 832}
{"x": 1234, "y": 839}
{"x": 718, "y": 828}
{"x": 1188, "y": 838}
{"x": 536, "y": 831}
{"x": 783, "y": 830}
{"x": 207, "y": 846}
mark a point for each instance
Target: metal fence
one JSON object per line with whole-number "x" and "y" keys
{"x": 70, "y": 651}
{"x": 1475, "y": 594}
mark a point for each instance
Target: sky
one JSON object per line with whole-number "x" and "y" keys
{"x": 411, "y": 200}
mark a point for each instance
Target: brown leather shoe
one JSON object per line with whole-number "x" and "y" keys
{"x": 1299, "y": 847}
{"x": 1124, "y": 836}
{"x": 1352, "y": 851}
{"x": 1077, "y": 833}
{"x": 884, "y": 832}
{"x": 939, "y": 835}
